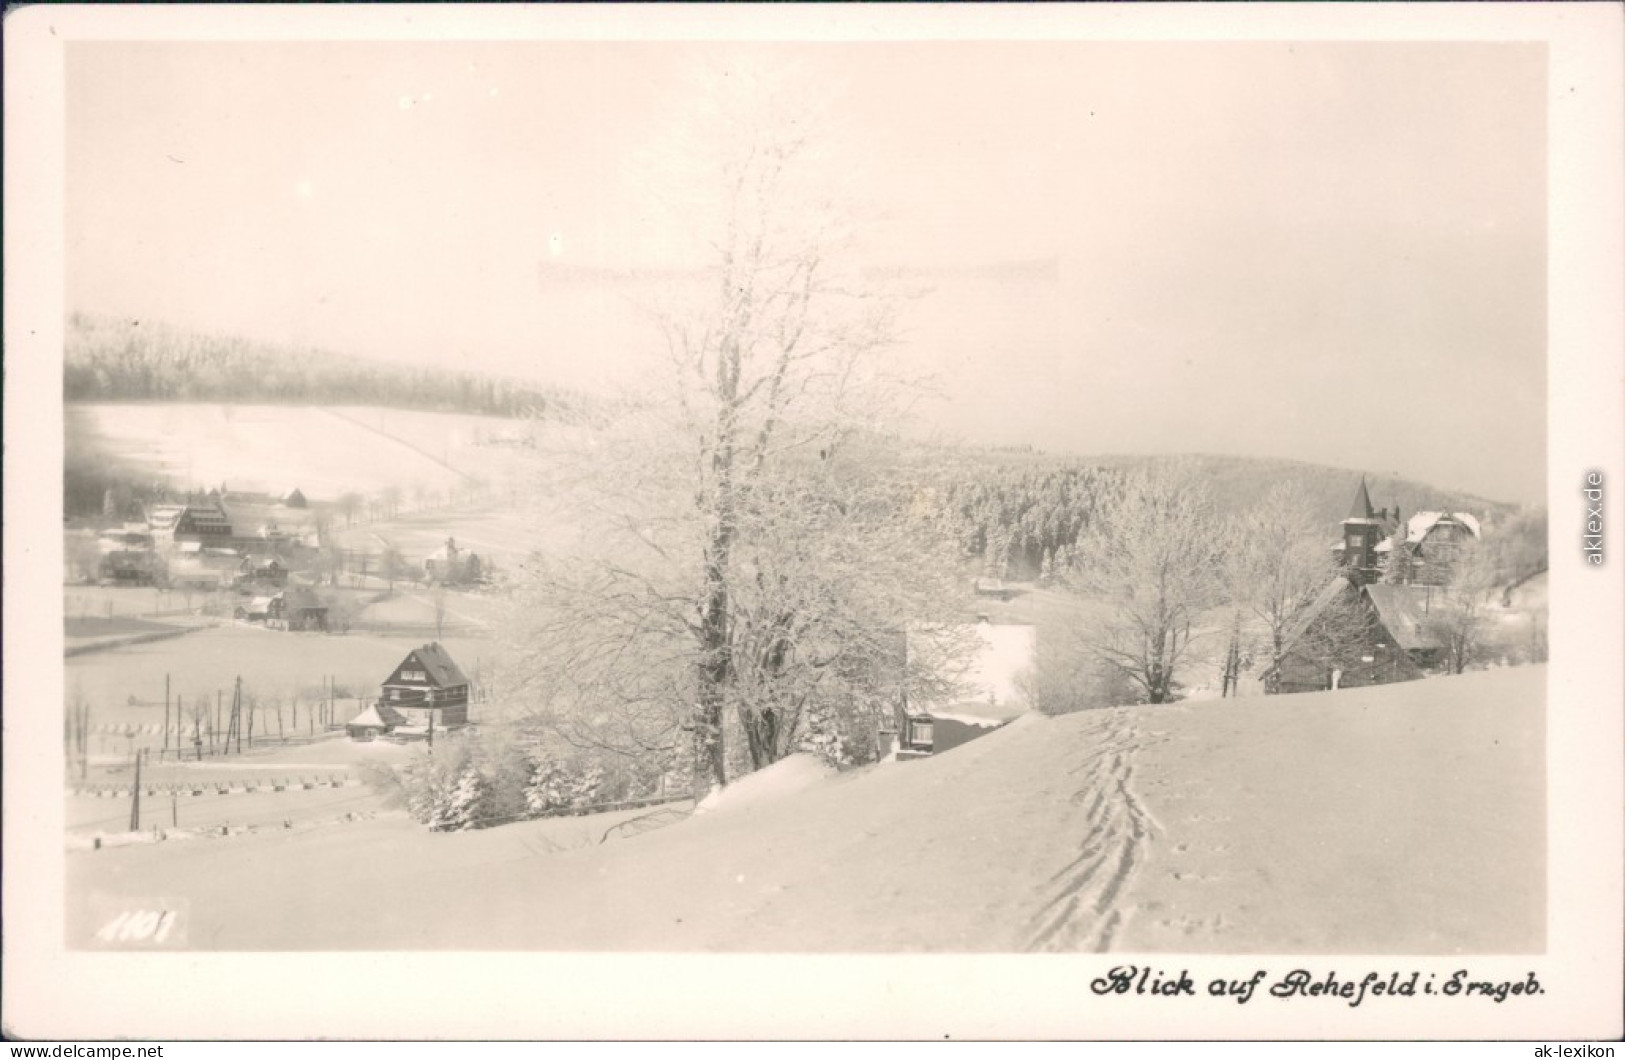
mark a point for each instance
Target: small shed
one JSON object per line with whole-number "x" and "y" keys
{"x": 298, "y": 609}
{"x": 373, "y": 722}
{"x": 257, "y": 609}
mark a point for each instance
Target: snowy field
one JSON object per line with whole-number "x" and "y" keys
{"x": 1405, "y": 819}
{"x": 272, "y": 664}
{"x": 277, "y": 447}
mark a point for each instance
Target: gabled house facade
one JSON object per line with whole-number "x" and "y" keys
{"x": 202, "y": 522}
{"x": 426, "y": 685}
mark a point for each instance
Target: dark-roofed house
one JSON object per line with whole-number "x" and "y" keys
{"x": 263, "y": 570}
{"x": 427, "y": 683}
{"x": 298, "y": 609}
{"x": 1369, "y": 624}
{"x": 202, "y": 521}
{"x": 1353, "y": 635}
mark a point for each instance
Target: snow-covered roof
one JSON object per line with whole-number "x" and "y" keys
{"x": 1329, "y": 593}
{"x": 259, "y": 605}
{"x": 1401, "y": 610}
{"x": 377, "y": 716}
{"x": 1422, "y": 523}
{"x": 438, "y": 664}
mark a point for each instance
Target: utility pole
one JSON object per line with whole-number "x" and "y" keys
{"x": 84, "y": 741}
{"x": 166, "y": 720}
{"x": 235, "y": 729}
{"x": 135, "y": 804}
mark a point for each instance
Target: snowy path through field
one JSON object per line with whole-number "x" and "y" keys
{"x": 1083, "y": 908}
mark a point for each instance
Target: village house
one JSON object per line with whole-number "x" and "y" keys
{"x": 201, "y": 522}
{"x": 450, "y": 565}
{"x": 426, "y": 685}
{"x": 1369, "y": 624}
{"x": 127, "y": 557}
{"x": 256, "y": 609}
{"x": 262, "y": 569}
{"x": 298, "y": 609}
{"x": 1426, "y": 544}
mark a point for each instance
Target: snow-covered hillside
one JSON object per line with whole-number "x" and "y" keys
{"x": 275, "y": 448}
{"x": 1399, "y": 819}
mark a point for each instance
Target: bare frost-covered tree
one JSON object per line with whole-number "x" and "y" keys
{"x": 1277, "y": 562}
{"x": 742, "y": 568}
{"x": 1457, "y": 610}
{"x": 1152, "y": 560}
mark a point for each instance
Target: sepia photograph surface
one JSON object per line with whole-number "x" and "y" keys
{"x": 811, "y": 500}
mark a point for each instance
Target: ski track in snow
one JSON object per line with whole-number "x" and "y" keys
{"x": 1083, "y": 907}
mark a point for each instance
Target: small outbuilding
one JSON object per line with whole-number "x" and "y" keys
{"x": 298, "y": 609}
{"x": 377, "y": 720}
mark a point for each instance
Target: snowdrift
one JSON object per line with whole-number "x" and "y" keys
{"x": 1390, "y": 820}
{"x": 780, "y": 780}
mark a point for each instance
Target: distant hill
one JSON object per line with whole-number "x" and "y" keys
{"x": 118, "y": 359}
{"x": 1016, "y": 509}
{"x": 1238, "y": 481}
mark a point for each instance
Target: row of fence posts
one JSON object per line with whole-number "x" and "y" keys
{"x": 224, "y": 735}
{"x": 174, "y": 797}
{"x": 238, "y": 724}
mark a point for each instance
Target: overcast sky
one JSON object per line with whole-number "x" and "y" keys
{"x": 1329, "y": 252}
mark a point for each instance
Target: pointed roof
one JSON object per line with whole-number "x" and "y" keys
{"x": 377, "y": 716}
{"x": 1361, "y": 509}
{"x": 438, "y": 664}
{"x": 1329, "y": 594}
{"x": 1422, "y": 523}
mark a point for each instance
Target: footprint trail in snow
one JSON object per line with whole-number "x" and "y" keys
{"x": 1082, "y": 904}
